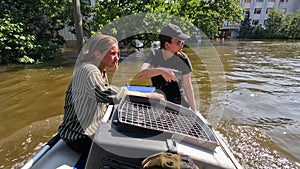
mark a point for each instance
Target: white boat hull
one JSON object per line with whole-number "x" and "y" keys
{"x": 59, "y": 156}
{"x": 131, "y": 149}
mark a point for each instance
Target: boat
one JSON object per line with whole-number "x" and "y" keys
{"x": 138, "y": 127}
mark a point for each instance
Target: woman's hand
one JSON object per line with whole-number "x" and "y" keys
{"x": 155, "y": 95}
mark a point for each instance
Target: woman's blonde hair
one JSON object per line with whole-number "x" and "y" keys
{"x": 99, "y": 42}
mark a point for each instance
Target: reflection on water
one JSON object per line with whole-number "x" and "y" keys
{"x": 253, "y": 148}
{"x": 260, "y": 101}
{"x": 32, "y": 98}
{"x": 264, "y": 95}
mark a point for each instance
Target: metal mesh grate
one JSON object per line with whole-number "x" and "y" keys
{"x": 164, "y": 120}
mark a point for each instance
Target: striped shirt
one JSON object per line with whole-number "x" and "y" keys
{"x": 87, "y": 98}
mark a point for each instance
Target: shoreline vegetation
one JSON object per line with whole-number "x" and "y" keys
{"x": 34, "y": 37}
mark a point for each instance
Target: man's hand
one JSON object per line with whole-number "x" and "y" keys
{"x": 169, "y": 74}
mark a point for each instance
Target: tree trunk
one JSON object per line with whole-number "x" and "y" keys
{"x": 78, "y": 23}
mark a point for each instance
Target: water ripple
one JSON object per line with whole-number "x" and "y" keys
{"x": 254, "y": 149}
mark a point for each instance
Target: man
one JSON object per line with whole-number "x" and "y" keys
{"x": 170, "y": 69}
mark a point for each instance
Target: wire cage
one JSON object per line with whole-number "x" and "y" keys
{"x": 136, "y": 114}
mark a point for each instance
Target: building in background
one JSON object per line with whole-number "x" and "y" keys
{"x": 259, "y": 11}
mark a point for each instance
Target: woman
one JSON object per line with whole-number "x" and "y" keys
{"x": 89, "y": 93}
{"x": 170, "y": 69}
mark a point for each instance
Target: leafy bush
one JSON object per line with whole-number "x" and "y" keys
{"x": 278, "y": 26}
{"x": 257, "y": 32}
{"x": 15, "y": 43}
{"x": 29, "y": 29}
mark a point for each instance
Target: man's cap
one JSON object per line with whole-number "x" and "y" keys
{"x": 174, "y": 31}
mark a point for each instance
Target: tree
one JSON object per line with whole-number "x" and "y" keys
{"x": 209, "y": 16}
{"x": 278, "y": 26}
{"x": 294, "y": 31}
{"x": 42, "y": 19}
{"x": 257, "y": 32}
{"x": 274, "y": 25}
{"x": 291, "y": 25}
{"x": 78, "y": 23}
{"x": 39, "y": 19}
{"x": 245, "y": 27}
{"x": 15, "y": 43}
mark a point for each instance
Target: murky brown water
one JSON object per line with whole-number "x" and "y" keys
{"x": 251, "y": 95}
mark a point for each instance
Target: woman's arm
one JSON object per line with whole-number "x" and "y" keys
{"x": 153, "y": 95}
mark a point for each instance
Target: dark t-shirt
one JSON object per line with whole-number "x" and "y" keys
{"x": 172, "y": 90}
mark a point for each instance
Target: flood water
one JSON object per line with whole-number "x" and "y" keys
{"x": 248, "y": 90}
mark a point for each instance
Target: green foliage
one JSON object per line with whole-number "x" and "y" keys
{"x": 25, "y": 59}
{"x": 209, "y": 16}
{"x": 245, "y": 27}
{"x": 291, "y": 25}
{"x": 278, "y": 26}
{"x": 14, "y": 41}
{"x": 274, "y": 25}
{"x": 34, "y": 24}
{"x": 29, "y": 33}
{"x": 257, "y": 32}
{"x": 283, "y": 26}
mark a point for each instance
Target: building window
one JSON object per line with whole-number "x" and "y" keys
{"x": 259, "y": 0}
{"x": 247, "y": 0}
{"x": 271, "y": 0}
{"x": 257, "y": 10}
{"x": 255, "y": 22}
{"x": 284, "y": 0}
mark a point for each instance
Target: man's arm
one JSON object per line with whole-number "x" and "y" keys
{"x": 147, "y": 71}
{"x": 189, "y": 91}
